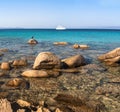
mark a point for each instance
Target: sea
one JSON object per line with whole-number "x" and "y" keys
{"x": 99, "y": 40}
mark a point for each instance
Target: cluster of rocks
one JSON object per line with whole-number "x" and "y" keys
{"x": 47, "y": 64}
{"x": 24, "y": 106}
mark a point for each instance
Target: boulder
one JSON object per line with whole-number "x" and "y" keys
{"x": 60, "y": 43}
{"x": 35, "y": 73}
{"x": 5, "y": 106}
{"x": 74, "y": 61}
{"x": 111, "y": 57}
{"x": 46, "y": 60}
{"x": 21, "y": 62}
{"x": 32, "y": 41}
{"x": 5, "y": 66}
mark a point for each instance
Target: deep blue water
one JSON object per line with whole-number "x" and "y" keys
{"x": 100, "y": 41}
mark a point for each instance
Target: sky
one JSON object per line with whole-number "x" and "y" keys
{"x": 50, "y": 13}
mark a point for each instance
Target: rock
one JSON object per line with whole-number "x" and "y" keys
{"x": 23, "y": 103}
{"x": 46, "y": 60}
{"x": 5, "y": 66}
{"x": 4, "y": 50}
{"x": 32, "y": 41}
{"x": 111, "y": 54}
{"x": 84, "y": 46}
{"x": 5, "y": 106}
{"x": 111, "y": 57}
{"x": 35, "y": 73}
{"x": 21, "y": 110}
{"x": 39, "y": 109}
{"x": 74, "y": 61}
{"x": 58, "y": 110}
{"x": 76, "y": 46}
{"x": 46, "y": 110}
{"x": 16, "y": 82}
{"x": 21, "y": 62}
{"x": 60, "y": 43}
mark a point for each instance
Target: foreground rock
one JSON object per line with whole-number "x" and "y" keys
{"x": 23, "y": 103}
{"x": 111, "y": 57}
{"x": 5, "y": 66}
{"x": 60, "y": 43}
{"x": 46, "y": 60}
{"x": 5, "y": 106}
{"x": 35, "y": 73}
{"x": 73, "y": 61}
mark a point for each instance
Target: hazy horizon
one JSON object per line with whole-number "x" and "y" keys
{"x": 68, "y": 13}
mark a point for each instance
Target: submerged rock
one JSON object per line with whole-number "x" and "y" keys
{"x": 21, "y": 62}
{"x": 46, "y": 60}
{"x": 74, "y": 61}
{"x": 16, "y": 82}
{"x": 60, "y": 43}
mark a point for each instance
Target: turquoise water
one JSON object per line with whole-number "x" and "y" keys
{"x": 100, "y": 41}
{"x": 66, "y": 35}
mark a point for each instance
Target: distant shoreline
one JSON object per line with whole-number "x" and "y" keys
{"x": 99, "y": 29}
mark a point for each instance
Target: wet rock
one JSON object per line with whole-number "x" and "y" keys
{"x": 5, "y": 106}
{"x": 46, "y": 60}
{"x": 23, "y": 103}
{"x": 111, "y": 57}
{"x": 35, "y": 73}
{"x": 77, "y": 46}
{"x": 84, "y": 46}
{"x": 21, "y": 62}
{"x": 58, "y": 110}
{"x": 74, "y": 61}
{"x": 32, "y": 41}
{"x": 60, "y": 43}
{"x": 21, "y": 110}
{"x": 5, "y": 66}
{"x": 16, "y": 82}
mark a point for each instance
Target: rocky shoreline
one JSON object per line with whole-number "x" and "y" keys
{"x": 74, "y": 86}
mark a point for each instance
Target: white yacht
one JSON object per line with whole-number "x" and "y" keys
{"x": 59, "y": 27}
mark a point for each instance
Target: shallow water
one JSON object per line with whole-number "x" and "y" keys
{"x": 100, "y": 41}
